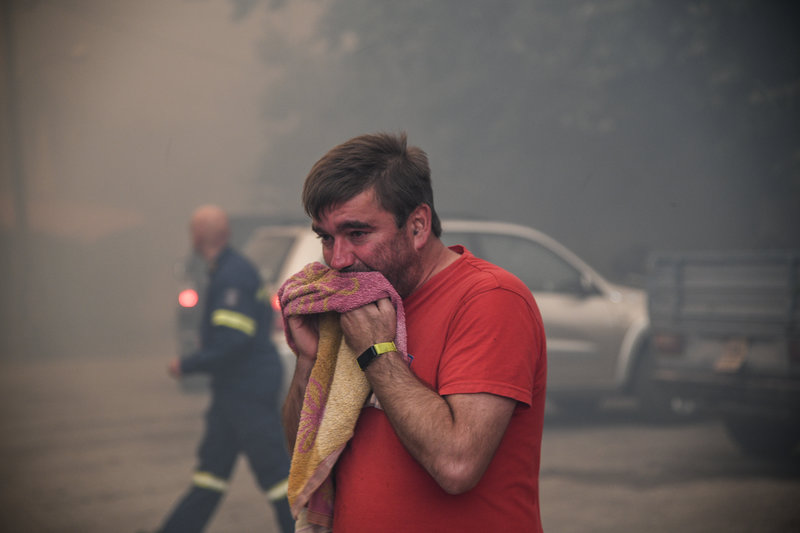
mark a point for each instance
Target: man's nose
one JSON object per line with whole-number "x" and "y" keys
{"x": 341, "y": 255}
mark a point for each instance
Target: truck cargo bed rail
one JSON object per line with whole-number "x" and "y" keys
{"x": 752, "y": 293}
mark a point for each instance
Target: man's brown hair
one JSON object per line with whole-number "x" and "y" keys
{"x": 399, "y": 174}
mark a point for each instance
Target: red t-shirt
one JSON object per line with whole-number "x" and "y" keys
{"x": 472, "y": 328}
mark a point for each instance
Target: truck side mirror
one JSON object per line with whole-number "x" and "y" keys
{"x": 587, "y": 287}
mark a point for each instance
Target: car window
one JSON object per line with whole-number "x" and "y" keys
{"x": 537, "y": 266}
{"x": 465, "y": 239}
{"x": 268, "y": 251}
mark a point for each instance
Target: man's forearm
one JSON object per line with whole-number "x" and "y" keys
{"x": 404, "y": 399}
{"x": 226, "y": 343}
{"x": 453, "y": 438}
{"x": 293, "y": 405}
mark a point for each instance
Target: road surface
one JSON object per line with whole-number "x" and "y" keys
{"x": 100, "y": 445}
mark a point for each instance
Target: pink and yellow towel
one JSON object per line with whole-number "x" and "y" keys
{"x": 337, "y": 389}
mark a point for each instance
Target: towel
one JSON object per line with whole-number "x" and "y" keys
{"x": 337, "y": 389}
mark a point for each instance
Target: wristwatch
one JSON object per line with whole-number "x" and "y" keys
{"x": 372, "y": 353}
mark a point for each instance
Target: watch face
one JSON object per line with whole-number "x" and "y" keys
{"x": 367, "y": 357}
{"x": 374, "y": 351}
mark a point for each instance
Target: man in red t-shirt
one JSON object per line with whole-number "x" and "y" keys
{"x": 457, "y": 442}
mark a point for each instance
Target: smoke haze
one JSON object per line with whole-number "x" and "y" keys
{"x": 615, "y": 127}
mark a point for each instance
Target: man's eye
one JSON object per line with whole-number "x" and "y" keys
{"x": 357, "y": 234}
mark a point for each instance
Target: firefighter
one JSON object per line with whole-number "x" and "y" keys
{"x": 245, "y": 369}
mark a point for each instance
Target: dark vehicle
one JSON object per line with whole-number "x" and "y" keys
{"x": 726, "y": 337}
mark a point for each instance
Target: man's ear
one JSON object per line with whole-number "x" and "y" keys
{"x": 419, "y": 222}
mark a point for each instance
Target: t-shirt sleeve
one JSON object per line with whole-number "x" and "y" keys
{"x": 493, "y": 346}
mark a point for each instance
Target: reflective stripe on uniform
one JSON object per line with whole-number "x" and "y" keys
{"x": 279, "y": 490}
{"x": 234, "y": 320}
{"x": 261, "y": 295}
{"x": 209, "y": 481}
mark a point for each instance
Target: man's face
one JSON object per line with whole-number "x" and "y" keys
{"x": 360, "y": 236}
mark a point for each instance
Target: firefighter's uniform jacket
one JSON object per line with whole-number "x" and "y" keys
{"x": 238, "y": 354}
{"x": 235, "y": 347}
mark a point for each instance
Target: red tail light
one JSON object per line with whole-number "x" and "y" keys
{"x": 278, "y": 314}
{"x": 188, "y": 298}
{"x": 276, "y": 303}
{"x": 668, "y": 343}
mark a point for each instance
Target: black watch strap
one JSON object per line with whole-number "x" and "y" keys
{"x": 371, "y": 353}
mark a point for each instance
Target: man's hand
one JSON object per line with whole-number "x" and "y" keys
{"x": 305, "y": 333}
{"x": 370, "y": 324}
{"x": 174, "y": 368}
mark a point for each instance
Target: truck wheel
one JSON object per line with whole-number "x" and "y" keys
{"x": 768, "y": 439}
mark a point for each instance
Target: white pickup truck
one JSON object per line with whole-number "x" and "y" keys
{"x": 726, "y": 337}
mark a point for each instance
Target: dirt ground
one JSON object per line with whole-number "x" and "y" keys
{"x": 106, "y": 445}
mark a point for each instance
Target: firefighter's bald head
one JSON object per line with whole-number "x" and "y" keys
{"x": 210, "y": 231}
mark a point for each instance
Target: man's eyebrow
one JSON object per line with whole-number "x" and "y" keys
{"x": 354, "y": 224}
{"x": 343, "y": 226}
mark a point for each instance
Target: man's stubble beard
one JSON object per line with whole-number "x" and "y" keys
{"x": 406, "y": 270}
{"x": 399, "y": 263}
